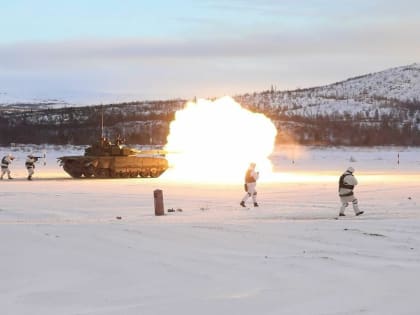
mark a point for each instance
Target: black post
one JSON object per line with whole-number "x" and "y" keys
{"x": 158, "y": 196}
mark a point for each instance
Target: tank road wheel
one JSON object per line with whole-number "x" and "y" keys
{"x": 102, "y": 173}
{"x": 144, "y": 173}
{"x": 154, "y": 173}
{"x": 133, "y": 174}
{"x": 160, "y": 172}
{"x": 121, "y": 174}
{"x": 89, "y": 171}
{"x": 125, "y": 175}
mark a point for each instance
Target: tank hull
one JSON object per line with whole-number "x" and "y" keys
{"x": 131, "y": 166}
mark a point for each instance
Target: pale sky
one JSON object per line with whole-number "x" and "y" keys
{"x": 98, "y": 51}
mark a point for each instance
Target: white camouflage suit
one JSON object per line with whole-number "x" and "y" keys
{"x": 5, "y": 161}
{"x": 346, "y": 186}
{"x": 251, "y": 178}
{"x": 30, "y": 165}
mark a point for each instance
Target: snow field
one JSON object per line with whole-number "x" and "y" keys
{"x": 64, "y": 251}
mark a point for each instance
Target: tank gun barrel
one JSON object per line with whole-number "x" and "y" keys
{"x": 151, "y": 152}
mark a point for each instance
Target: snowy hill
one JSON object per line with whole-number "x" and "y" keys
{"x": 365, "y": 94}
{"x": 402, "y": 83}
{"x": 21, "y": 103}
{"x": 375, "y": 109}
{"x": 138, "y": 122}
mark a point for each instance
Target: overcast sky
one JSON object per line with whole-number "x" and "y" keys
{"x": 97, "y": 51}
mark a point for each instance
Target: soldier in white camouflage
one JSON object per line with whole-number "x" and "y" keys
{"x": 30, "y": 165}
{"x": 5, "y": 162}
{"x": 251, "y": 177}
{"x": 346, "y": 186}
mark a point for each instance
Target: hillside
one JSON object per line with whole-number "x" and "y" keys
{"x": 138, "y": 122}
{"x": 380, "y": 91}
{"x": 373, "y": 109}
{"x": 388, "y": 100}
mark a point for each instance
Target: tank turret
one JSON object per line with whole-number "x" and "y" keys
{"x": 105, "y": 159}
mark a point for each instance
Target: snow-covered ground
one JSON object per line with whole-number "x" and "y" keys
{"x": 64, "y": 251}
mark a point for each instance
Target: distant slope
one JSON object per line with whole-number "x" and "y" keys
{"x": 138, "y": 122}
{"x": 365, "y": 94}
{"x": 375, "y": 109}
{"x": 11, "y": 101}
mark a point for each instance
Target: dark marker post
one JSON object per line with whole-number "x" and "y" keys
{"x": 158, "y": 197}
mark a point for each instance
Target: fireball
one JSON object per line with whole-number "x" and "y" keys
{"x": 217, "y": 140}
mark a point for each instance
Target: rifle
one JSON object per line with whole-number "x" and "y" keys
{"x": 40, "y": 157}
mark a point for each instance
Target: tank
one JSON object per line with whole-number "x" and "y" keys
{"x": 114, "y": 160}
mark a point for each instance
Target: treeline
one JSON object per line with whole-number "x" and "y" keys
{"x": 148, "y": 123}
{"x": 137, "y": 122}
{"x": 395, "y": 123}
{"x": 330, "y": 132}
